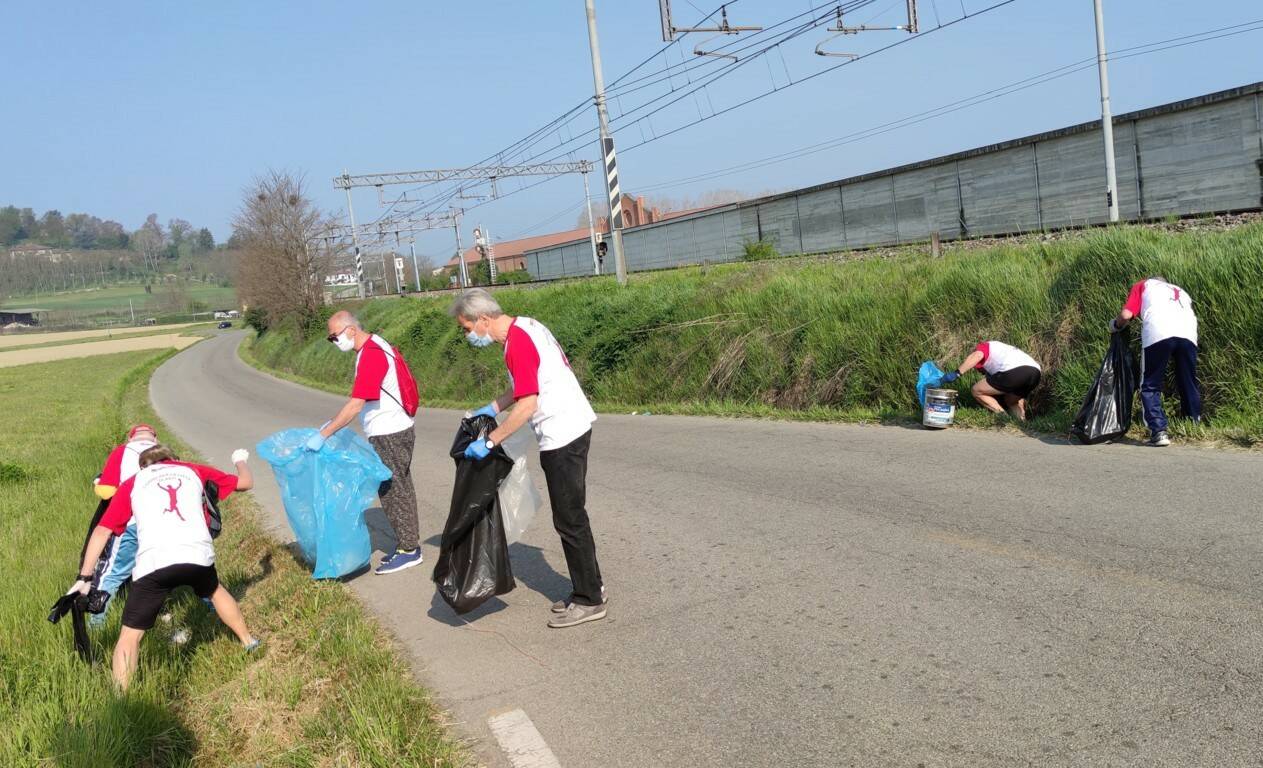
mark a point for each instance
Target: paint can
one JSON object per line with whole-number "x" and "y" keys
{"x": 940, "y": 408}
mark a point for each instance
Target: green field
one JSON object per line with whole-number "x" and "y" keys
{"x": 820, "y": 338}
{"x": 326, "y": 690}
{"x": 115, "y": 298}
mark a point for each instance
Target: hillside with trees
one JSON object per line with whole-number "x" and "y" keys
{"x": 52, "y": 252}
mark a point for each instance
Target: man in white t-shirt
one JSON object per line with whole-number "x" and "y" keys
{"x": 377, "y": 399}
{"x": 165, "y": 501}
{"x": 1168, "y": 334}
{"x": 1010, "y": 377}
{"x": 544, "y": 392}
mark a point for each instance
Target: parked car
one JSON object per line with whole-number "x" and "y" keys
{"x": 225, "y": 324}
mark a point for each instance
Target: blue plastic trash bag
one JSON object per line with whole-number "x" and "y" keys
{"x": 929, "y": 377}
{"x": 325, "y": 494}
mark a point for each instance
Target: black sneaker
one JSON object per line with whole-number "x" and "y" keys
{"x": 1160, "y": 439}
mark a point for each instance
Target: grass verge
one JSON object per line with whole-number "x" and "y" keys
{"x": 329, "y": 690}
{"x": 842, "y": 339}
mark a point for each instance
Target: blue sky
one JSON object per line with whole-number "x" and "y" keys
{"x": 123, "y": 109}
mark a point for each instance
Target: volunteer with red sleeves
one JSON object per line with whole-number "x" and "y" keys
{"x": 377, "y": 398}
{"x": 544, "y": 392}
{"x": 115, "y": 566}
{"x": 1011, "y": 376}
{"x": 1168, "y": 333}
{"x": 165, "y": 498}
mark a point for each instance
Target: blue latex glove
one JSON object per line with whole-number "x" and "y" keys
{"x": 477, "y": 450}
{"x": 315, "y": 442}
{"x": 948, "y": 378}
{"x": 487, "y": 410}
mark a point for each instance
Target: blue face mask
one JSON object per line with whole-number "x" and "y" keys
{"x": 478, "y": 340}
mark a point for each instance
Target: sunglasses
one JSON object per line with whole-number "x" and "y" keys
{"x": 334, "y": 336}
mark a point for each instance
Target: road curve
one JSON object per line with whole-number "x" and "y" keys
{"x": 792, "y": 594}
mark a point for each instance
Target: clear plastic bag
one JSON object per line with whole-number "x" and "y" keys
{"x": 519, "y": 500}
{"x": 325, "y": 494}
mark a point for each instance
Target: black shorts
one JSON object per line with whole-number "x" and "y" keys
{"x": 147, "y": 594}
{"x": 1020, "y": 381}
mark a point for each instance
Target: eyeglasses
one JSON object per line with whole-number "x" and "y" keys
{"x": 333, "y": 337}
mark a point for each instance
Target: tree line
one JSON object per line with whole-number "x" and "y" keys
{"x": 86, "y": 232}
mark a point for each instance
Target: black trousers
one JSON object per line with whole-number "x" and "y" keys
{"x": 566, "y": 473}
{"x": 1154, "y": 361}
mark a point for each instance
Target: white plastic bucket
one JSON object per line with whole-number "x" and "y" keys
{"x": 940, "y": 408}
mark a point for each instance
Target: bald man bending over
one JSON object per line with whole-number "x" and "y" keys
{"x": 376, "y": 398}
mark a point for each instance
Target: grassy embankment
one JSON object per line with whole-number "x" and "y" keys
{"x": 327, "y": 690}
{"x": 832, "y": 339}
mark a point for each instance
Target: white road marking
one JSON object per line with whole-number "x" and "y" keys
{"x": 520, "y": 741}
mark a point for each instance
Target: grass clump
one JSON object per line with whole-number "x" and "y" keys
{"x": 328, "y": 688}
{"x": 832, "y": 339}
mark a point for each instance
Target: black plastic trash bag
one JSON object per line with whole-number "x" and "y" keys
{"x": 1106, "y": 411}
{"x": 74, "y": 604}
{"x": 473, "y": 564}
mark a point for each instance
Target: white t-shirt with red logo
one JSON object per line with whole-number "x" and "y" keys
{"x": 377, "y": 382}
{"x": 998, "y": 357}
{"x": 164, "y": 501}
{"x": 538, "y": 366}
{"x": 1165, "y": 311}
{"x": 123, "y": 462}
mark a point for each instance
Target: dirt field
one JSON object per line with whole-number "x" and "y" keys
{"x": 26, "y": 339}
{"x": 86, "y": 349}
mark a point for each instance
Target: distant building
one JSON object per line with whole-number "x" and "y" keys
{"x": 12, "y": 319}
{"x": 36, "y": 251}
{"x": 509, "y": 254}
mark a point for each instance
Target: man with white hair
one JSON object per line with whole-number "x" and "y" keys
{"x": 1168, "y": 335}
{"x": 544, "y": 392}
{"x": 377, "y": 397}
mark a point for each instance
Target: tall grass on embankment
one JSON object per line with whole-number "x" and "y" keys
{"x": 326, "y": 689}
{"x": 834, "y": 339}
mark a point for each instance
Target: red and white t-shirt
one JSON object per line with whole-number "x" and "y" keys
{"x": 1165, "y": 311}
{"x": 164, "y": 500}
{"x": 123, "y": 462}
{"x": 538, "y": 366}
{"x": 377, "y": 382}
{"x": 998, "y": 357}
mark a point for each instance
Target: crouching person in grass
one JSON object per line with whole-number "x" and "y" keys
{"x": 165, "y": 499}
{"x": 1009, "y": 377}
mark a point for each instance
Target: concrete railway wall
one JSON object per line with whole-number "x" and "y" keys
{"x": 1199, "y": 155}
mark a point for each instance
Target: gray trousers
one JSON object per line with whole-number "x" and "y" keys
{"x": 399, "y": 498}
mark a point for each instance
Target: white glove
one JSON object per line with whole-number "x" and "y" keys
{"x": 80, "y": 586}
{"x": 240, "y": 455}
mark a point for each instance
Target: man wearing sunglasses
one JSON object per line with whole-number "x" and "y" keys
{"x": 377, "y": 399}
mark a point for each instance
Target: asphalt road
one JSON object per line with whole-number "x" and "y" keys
{"x": 788, "y": 594}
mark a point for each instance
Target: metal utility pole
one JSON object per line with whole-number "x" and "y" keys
{"x": 460, "y": 252}
{"x": 607, "y": 149}
{"x": 1107, "y": 119}
{"x": 355, "y": 243}
{"x": 587, "y": 197}
{"x": 416, "y": 273}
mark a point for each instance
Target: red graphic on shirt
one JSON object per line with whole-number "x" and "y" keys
{"x": 175, "y": 503}
{"x": 1175, "y": 294}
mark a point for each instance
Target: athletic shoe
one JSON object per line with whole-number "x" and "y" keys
{"x": 560, "y": 605}
{"x": 1160, "y": 439}
{"x": 252, "y": 646}
{"x": 577, "y": 614}
{"x": 398, "y": 561}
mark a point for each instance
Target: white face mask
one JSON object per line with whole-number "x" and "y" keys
{"x": 477, "y": 339}
{"x": 344, "y": 343}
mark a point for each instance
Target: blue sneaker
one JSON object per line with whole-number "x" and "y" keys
{"x": 398, "y": 561}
